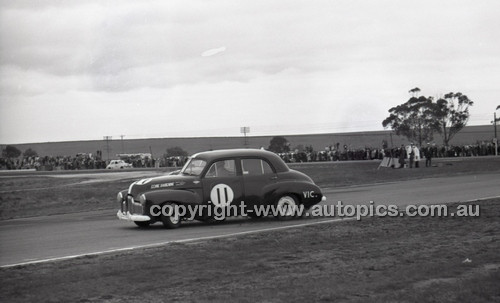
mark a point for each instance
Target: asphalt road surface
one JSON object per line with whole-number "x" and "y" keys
{"x": 58, "y": 237}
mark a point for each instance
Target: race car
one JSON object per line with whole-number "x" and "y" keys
{"x": 213, "y": 181}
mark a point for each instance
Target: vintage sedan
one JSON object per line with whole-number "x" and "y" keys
{"x": 118, "y": 164}
{"x": 245, "y": 180}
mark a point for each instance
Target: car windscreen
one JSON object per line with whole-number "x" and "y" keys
{"x": 194, "y": 167}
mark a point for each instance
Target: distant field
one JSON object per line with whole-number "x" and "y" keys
{"x": 328, "y": 174}
{"x": 34, "y": 194}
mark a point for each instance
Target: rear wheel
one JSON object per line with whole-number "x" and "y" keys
{"x": 253, "y": 215}
{"x": 213, "y": 220}
{"x": 286, "y": 207}
{"x": 171, "y": 218}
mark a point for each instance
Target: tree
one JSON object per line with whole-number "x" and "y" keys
{"x": 176, "y": 151}
{"x": 279, "y": 144}
{"x": 452, "y": 114}
{"x": 299, "y": 148}
{"x": 414, "y": 91}
{"x": 30, "y": 153}
{"x": 413, "y": 119}
{"x": 11, "y": 152}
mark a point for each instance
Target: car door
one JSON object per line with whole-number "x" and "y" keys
{"x": 223, "y": 184}
{"x": 258, "y": 174}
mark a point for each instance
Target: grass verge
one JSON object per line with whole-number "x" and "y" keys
{"x": 30, "y": 195}
{"x": 328, "y": 174}
{"x": 401, "y": 259}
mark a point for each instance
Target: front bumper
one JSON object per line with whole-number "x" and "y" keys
{"x": 130, "y": 210}
{"x": 130, "y": 217}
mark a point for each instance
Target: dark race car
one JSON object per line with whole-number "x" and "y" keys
{"x": 215, "y": 184}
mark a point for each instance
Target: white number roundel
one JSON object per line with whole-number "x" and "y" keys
{"x": 221, "y": 195}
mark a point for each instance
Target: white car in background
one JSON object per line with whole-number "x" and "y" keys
{"x": 118, "y": 164}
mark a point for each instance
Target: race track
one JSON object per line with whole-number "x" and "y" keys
{"x": 57, "y": 237}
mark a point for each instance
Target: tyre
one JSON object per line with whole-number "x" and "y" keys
{"x": 212, "y": 220}
{"x": 253, "y": 215}
{"x": 286, "y": 207}
{"x": 171, "y": 220}
{"x": 142, "y": 223}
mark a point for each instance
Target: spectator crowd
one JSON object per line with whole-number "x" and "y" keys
{"x": 80, "y": 161}
{"x": 347, "y": 154}
{"x": 83, "y": 161}
{"x": 90, "y": 161}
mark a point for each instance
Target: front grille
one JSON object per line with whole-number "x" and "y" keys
{"x": 123, "y": 206}
{"x": 133, "y": 207}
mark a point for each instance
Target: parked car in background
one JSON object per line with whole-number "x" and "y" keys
{"x": 118, "y": 164}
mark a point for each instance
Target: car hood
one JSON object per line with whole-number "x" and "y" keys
{"x": 164, "y": 182}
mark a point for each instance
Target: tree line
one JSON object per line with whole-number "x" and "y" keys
{"x": 419, "y": 118}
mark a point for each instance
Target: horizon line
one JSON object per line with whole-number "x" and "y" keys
{"x": 221, "y": 136}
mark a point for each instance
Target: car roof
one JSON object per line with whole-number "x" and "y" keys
{"x": 275, "y": 160}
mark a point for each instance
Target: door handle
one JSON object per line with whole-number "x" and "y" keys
{"x": 274, "y": 178}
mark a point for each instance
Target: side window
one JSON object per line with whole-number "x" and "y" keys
{"x": 254, "y": 167}
{"x": 266, "y": 167}
{"x": 224, "y": 168}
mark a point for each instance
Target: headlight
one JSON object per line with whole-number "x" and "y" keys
{"x": 142, "y": 199}
{"x": 119, "y": 197}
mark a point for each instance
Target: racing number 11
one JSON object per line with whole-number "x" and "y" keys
{"x": 221, "y": 195}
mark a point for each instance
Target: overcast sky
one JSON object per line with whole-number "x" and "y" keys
{"x": 81, "y": 70}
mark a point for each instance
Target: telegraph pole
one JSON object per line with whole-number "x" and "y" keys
{"x": 495, "y": 126}
{"x": 121, "y": 136}
{"x": 107, "y": 139}
{"x": 495, "y": 120}
{"x": 244, "y": 130}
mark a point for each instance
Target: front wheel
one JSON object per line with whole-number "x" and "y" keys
{"x": 286, "y": 207}
{"x": 171, "y": 219}
{"x": 142, "y": 224}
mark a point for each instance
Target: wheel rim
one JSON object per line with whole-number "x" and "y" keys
{"x": 287, "y": 203}
{"x": 174, "y": 218}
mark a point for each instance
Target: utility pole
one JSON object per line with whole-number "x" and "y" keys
{"x": 121, "y": 136}
{"x": 244, "y": 130}
{"x": 495, "y": 120}
{"x": 495, "y": 126}
{"x": 495, "y": 123}
{"x": 107, "y": 139}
